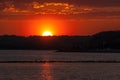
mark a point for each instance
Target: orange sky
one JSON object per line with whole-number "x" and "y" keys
{"x": 61, "y": 17}
{"x": 57, "y": 27}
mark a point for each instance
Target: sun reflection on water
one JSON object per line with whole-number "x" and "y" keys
{"x": 47, "y": 71}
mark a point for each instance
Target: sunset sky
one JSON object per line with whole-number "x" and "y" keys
{"x": 61, "y": 17}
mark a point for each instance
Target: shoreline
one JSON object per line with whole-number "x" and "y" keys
{"x": 59, "y": 61}
{"x": 62, "y": 50}
{"x": 91, "y": 51}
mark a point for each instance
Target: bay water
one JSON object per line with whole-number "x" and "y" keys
{"x": 58, "y": 71}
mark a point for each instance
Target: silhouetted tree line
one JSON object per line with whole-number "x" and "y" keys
{"x": 100, "y": 41}
{"x": 107, "y": 40}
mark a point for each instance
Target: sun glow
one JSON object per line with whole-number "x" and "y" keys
{"x": 47, "y": 33}
{"x": 47, "y": 26}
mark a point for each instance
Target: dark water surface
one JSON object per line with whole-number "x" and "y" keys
{"x": 36, "y": 55}
{"x": 58, "y": 71}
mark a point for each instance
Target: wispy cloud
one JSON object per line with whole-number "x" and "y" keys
{"x": 35, "y": 7}
{"x": 45, "y": 8}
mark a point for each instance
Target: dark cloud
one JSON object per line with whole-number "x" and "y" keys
{"x": 78, "y": 8}
{"x": 101, "y": 3}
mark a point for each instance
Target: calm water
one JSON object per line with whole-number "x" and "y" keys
{"x": 58, "y": 71}
{"x": 26, "y": 55}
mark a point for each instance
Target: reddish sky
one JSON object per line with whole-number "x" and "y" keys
{"x": 61, "y": 17}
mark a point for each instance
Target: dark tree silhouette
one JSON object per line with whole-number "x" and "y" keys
{"x": 100, "y": 41}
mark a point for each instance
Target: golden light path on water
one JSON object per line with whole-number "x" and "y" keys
{"x": 47, "y": 71}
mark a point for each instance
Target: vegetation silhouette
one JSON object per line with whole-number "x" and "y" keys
{"x": 108, "y": 41}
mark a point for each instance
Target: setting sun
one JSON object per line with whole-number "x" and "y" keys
{"x": 47, "y": 33}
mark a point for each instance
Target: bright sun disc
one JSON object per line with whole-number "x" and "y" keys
{"x": 47, "y": 33}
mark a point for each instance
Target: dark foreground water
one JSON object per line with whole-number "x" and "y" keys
{"x": 58, "y": 70}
